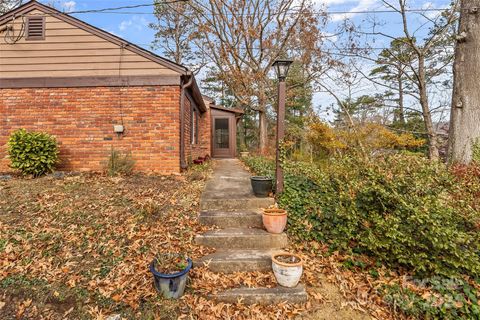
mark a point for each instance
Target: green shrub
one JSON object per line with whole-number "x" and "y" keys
{"x": 119, "y": 164}
{"x": 402, "y": 209}
{"x": 33, "y": 153}
{"x": 261, "y": 166}
{"x": 441, "y": 299}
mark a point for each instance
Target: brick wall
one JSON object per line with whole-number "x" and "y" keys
{"x": 82, "y": 119}
{"x": 203, "y": 146}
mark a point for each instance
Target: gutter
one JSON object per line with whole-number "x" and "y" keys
{"x": 183, "y": 86}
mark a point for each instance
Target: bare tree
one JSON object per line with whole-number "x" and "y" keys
{"x": 7, "y": 5}
{"x": 428, "y": 57}
{"x": 243, "y": 38}
{"x": 176, "y": 32}
{"x": 465, "y": 110}
{"x": 343, "y": 81}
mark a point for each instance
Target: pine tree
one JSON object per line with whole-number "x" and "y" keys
{"x": 392, "y": 71}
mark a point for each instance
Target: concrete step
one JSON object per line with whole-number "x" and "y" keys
{"x": 264, "y": 296}
{"x": 242, "y": 238}
{"x": 229, "y": 204}
{"x": 237, "y": 261}
{"x": 232, "y": 219}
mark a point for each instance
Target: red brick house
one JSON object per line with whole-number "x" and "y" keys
{"x": 95, "y": 91}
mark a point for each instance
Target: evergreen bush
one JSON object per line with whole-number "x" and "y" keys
{"x": 32, "y": 153}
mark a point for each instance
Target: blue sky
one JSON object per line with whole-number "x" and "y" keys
{"x": 132, "y": 24}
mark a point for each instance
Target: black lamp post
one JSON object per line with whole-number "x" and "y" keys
{"x": 281, "y": 67}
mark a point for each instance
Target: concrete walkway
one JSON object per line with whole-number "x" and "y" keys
{"x": 229, "y": 180}
{"x": 229, "y": 189}
{"x": 241, "y": 242}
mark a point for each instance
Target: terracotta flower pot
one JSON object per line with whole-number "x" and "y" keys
{"x": 287, "y": 268}
{"x": 274, "y": 220}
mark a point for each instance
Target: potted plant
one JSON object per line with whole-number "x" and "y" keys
{"x": 274, "y": 220}
{"x": 244, "y": 151}
{"x": 261, "y": 185}
{"x": 170, "y": 273}
{"x": 287, "y": 268}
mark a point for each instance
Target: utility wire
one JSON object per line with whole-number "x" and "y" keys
{"x": 125, "y": 7}
{"x": 110, "y": 11}
{"x": 323, "y": 13}
{"x": 346, "y": 50}
{"x": 114, "y": 10}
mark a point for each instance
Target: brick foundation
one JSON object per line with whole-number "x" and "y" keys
{"x": 82, "y": 119}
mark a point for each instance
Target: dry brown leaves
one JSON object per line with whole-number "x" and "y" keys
{"x": 99, "y": 234}
{"x": 359, "y": 289}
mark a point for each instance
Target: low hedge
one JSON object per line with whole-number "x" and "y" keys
{"x": 404, "y": 210}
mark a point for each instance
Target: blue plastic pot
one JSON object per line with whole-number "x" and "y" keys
{"x": 171, "y": 286}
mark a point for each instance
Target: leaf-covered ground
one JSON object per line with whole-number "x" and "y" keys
{"x": 78, "y": 247}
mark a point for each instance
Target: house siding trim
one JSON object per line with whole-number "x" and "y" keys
{"x": 96, "y": 31}
{"x": 77, "y": 82}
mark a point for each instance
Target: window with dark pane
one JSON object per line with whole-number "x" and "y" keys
{"x": 194, "y": 126}
{"x": 222, "y": 136}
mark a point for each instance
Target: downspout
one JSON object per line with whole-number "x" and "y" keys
{"x": 183, "y": 164}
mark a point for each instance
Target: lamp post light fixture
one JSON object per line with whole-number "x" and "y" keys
{"x": 281, "y": 67}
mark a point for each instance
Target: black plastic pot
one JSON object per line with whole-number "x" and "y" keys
{"x": 170, "y": 285}
{"x": 262, "y": 186}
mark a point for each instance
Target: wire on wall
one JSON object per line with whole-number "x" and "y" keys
{"x": 10, "y": 37}
{"x": 120, "y": 91}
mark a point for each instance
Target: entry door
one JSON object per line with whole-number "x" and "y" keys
{"x": 222, "y": 137}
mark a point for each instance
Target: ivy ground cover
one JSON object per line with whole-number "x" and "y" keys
{"x": 410, "y": 226}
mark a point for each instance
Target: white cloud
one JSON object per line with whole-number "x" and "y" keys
{"x": 430, "y": 14}
{"x": 113, "y": 32}
{"x": 361, "y": 5}
{"x": 136, "y": 22}
{"x": 68, "y": 6}
{"x": 334, "y": 2}
{"x": 124, "y": 25}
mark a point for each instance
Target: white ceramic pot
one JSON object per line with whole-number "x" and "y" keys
{"x": 287, "y": 268}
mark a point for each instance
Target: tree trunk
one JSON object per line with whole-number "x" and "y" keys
{"x": 433, "y": 153}
{"x": 241, "y": 132}
{"x": 263, "y": 135}
{"x": 262, "y": 119}
{"x": 465, "y": 111}
{"x": 401, "y": 111}
{"x": 245, "y": 131}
